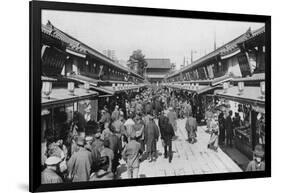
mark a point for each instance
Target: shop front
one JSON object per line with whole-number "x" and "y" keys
{"x": 248, "y": 107}
{"x": 61, "y": 109}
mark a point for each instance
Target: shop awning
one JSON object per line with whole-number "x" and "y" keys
{"x": 62, "y": 96}
{"x": 46, "y": 78}
{"x": 250, "y": 95}
{"x": 83, "y": 79}
{"x": 107, "y": 91}
{"x": 199, "y": 90}
{"x": 155, "y": 75}
{"x": 221, "y": 79}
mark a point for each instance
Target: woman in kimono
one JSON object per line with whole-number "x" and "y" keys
{"x": 214, "y": 137}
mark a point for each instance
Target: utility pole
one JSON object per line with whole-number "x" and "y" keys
{"x": 191, "y": 55}
{"x": 215, "y": 40}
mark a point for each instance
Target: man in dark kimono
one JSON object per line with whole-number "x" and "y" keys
{"x": 148, "y": 108}
{"x": 115, "y": 145}
{"x": 221, "y": 128}
{"x": 80, "y": 163}
{"x": 49, "y": 175}
{"x": 167, "y": 133}
{"x": 229, "y": 129}
{"x": 151, "y": 135}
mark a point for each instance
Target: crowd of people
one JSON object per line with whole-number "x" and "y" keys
{"x": 130, "y": 134}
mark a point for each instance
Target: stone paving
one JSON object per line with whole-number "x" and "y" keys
{"x": 188, "y": 159}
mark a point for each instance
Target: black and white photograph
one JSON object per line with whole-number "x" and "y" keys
{"x": 132, "y": 97}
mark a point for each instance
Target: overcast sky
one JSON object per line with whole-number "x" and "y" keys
{"x": 157, "y": 37}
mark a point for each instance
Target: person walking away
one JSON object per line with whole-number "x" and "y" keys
{"x": 131, "y": 154}
{"x": 116, "y": 146}
{"x": 213, "y": 142}
{"x": 106, "y": 132}
{"x": 188, "y": 109}
{"x": 221, "y": 120}
{"x": 167, "y": 133}
{"x": 229, "y": 129}
{"x": 158, "y": 107}
{"x": 151, "y": 135}
{"x": 129, "y": 126}
{"x": 80, "y": 163}
{"x": 98, "y": 143}
{"x": 115, "y": 113}
{"x": 172, "y": 116}
{"x": 191, "y": 128}
{"x": 50, "y": 174}
{"x": 257, "y": 164}
{"x": 106, "y": 151}
{"x": 102, "y": 173}
{"x": 119, "y": 128}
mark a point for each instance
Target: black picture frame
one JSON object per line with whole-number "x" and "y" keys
{"x": 35, "y": 93}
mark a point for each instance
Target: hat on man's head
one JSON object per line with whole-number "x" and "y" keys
{"x": 98, "y": 135}
{"x": 52, "y": 161}
{"x": 259, "y": 152}
{"x": 170, "y": 108}
{"x": 80, "y": 141}
{"x": 89, "y": 138}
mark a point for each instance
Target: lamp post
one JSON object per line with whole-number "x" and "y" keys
{"x": 71, "y": 87}
{"x": 47, "y": 89}
{"x": 197, "y": 86}
{"x": 240, "y": 87}
{"x": 262, "y": 88}
{"x": 87, "y": 87}
{"x": 225, "y": 87}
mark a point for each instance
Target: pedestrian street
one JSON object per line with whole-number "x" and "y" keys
{"x": 188, "y": 159}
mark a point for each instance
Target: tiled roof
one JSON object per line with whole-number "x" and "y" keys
{"x": 77, "y": 46}
{"x": 232, "y": 46}
{"x": 223, "y": 50}
{"x": 257, "y": 33}
{"x": 158, "y": 63}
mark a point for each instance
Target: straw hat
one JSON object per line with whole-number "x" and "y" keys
{"x": 98, "y": 135}
{"x": 259, "y": 152}
{"x": 52, "y": 161}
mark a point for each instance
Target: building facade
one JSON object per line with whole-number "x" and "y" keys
{"x": 156, "y": 69}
